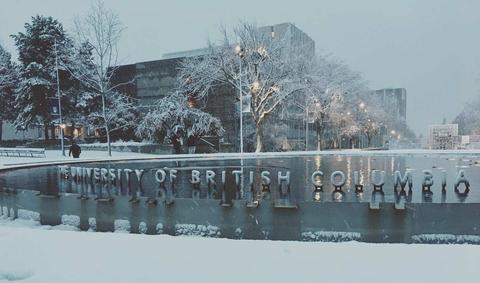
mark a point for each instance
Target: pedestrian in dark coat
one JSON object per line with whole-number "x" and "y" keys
{"x": 75, "y": 150}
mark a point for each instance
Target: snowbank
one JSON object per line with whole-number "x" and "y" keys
{"x": 50, "y": 256}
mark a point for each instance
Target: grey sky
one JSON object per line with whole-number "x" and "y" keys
{"x": 431, "y": 48}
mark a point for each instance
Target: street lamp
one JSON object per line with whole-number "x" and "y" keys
{"x": 239, "y": 53}
{"x": 59, "y": 101}
{"x": 255, "y": 86}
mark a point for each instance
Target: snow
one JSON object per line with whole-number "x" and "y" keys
{"x": 28, "y": 215}
{"x": 330, "y": 236}
{"x": 446, "y": 239}
{"x": 116, "y": 144}
{"x": 197, "y": 230}
{"x": 122, "y": 226}
{"x": 55, "y": 156}
{"x": 71, "y": 220}
{"x": 45, "y": 255}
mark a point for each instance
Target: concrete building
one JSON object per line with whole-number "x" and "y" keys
{"x": 394, "y": 102}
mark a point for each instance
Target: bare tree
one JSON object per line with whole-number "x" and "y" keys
{"x": 101, "y": 29}
{"x": 268, "y": 70}
{"x": 339, "y": 88}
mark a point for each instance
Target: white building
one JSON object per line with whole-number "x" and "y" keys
{"x": 443, "y": 136}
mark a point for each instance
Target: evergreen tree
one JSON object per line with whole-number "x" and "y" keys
{"x": 80, "y": 99}
{"x": 8, "y": 81}
{"x": 38, "y": 82}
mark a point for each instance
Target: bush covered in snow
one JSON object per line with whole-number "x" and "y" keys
{"x": 330, "y": 236}
{"x": 122, "y": 226}
{"x": 197, "y": 230}
{"x": 446, "y": 239}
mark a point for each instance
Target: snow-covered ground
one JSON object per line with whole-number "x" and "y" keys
{"x": 41, "y": 254}
{"x": 33, "y": 253}
{"x": 53, "y": 156}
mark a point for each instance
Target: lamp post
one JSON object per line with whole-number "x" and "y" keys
{"x": 59, "y": 101}
{"x": 362, "y": 107}
{"x": 239, "y": 52}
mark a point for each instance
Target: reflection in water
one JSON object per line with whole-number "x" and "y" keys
{"x": 338, "y": 195}
{"x": 48, "y": 181}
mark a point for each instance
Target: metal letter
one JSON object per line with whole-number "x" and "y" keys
{"x": 210, "y": 177}
{"x": 402, "y": 181}
{"x": 317, "y": 179}
{"x": 338, "y": 184}
{"x": 195, "y": 177}
{"x": 160, "y": 176}
{"x": 265, "y": 179}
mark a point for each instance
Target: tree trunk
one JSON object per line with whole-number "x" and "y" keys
{"x": 259, "y": 137}
{"x": 1, "y": 129}
{"x": 45, "y": 131}
{"x": 107, "y": 130}
{"x": 319, "y": 141}
{"x": 52, "y": 131}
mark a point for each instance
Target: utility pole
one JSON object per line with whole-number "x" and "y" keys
{"x": 59, "y": 101}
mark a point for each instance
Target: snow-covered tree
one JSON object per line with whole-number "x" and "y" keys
{"x": 38, "y": 47}
{"x": 8, "y": 82}
{"x": 267, "y": 69}
{"x": 101, "y": 30}
{"x": 172, "y": 119}
{"x": 469, "y": 118}
{"x": 351, "y": 131}
{"x": 80, "y": 100}
{"x": 120, "y": 114}
{"x": 332, "y": 89}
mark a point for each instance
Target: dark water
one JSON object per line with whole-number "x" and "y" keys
{"x": 47, "y": 180}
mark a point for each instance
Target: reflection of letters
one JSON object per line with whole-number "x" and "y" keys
{"x": 444, "y": 180}
{"x": 427, "y": 180}
{"x": 461, "y": 179}
{"x": 378, "y": 182}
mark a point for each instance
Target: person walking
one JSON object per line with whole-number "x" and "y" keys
{"x": 75, "y": 150}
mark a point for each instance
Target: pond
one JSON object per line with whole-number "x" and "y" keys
{"x": 48, "y": 180}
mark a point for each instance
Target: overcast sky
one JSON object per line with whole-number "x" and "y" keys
{"x": 429, "y": 47}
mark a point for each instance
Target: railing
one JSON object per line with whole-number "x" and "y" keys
{"x": 22, "y": 152}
